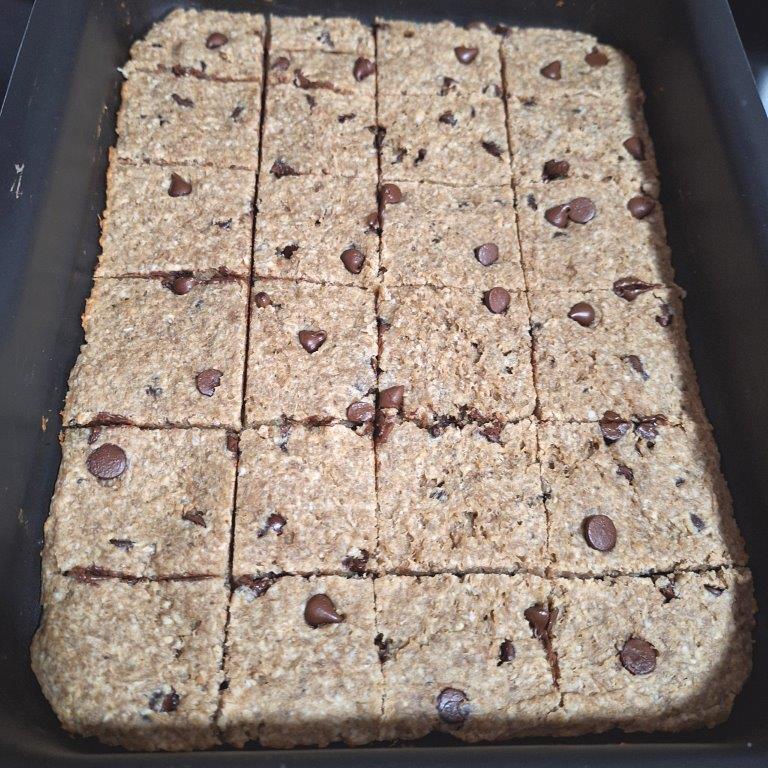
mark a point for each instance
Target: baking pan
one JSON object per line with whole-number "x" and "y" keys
{"x": 56, "y": 125}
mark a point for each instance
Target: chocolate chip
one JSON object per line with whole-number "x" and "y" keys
{"x": 530, "y": 201}
{"x": 236, "y": 112}
{"x": 506, "y": 652}
{"x": 555, "y": 169}
{"x": 449, "y": 84}
{"x": 420, "y": 155}
{"x": 634, "y": 145}
{"x": 666, "y": 317}
{"x": 613, "y": 426}
{"x": 262, "y": 299}
{"x": 596, "y": 58}
{"x": 638, "y": 656}
{"x": 391, "y": 194}
{"x": 599, "y": 532}
{"x": 497, "y": 300}
{"x": 637, "y": 365}
{"x": 275, "y": 523}
{"x": 280, "y": 168}
{"x": 348, "y": 116}
{"x": 125, "y": 544}
{"x": 557, "y": 216}
{"x": 179, "y": 187}
{"x": 448, "y": 118}
{"x": 312, "y": 340}
{"x": 647, "y": 426}
{"x": 281, "y": 63}
{"x": 581, "y": 210}
{"x": 181, "y": 101}
{"x": 363, "y": 68}
{"x": 300, "y": 80}
{"x": 372, "y": 221}
{"x": 629, "y": 288}
{"x": 385, "y": 647}
{"x": 360, "y": 412}
{"x": 257, "y": 586}
{"x": 182, "y": 284}
{"x": 487, "y": 254}
{"x": 624, "y": 471}
{"x": 552, "y": 71}
{"x": 465, "y": 55}
{"x": 698, "y": 523}
{"x": 208, "y": 380}
{"x": 233, "y": 442}
{"x": 216, "y": 40}
{"x": 93, "y": 435}
{"x": 353, "y": 260}
{"x": 320, "y": 610}
{"x": 492, "y": 148}
{"x": 357, "y": 564}
{"x": 194, "y": 516}
{"x": 107, "y": 462}
{"x": 105, "y": 419}
{"x": 582, "y": 313}
{"x": 160, "y": 701}
{"x": 392, "y": 397}
{"x": 385, "y": 423}
{"x": 668, "y": 592}
{"x": 716, "y": 591}
{"x": 540, "y": 619}
{"x": 452, "y": 706}
{"x": 641, "y": 206}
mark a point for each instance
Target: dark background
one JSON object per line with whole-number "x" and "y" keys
{"x": 751, "y": 19}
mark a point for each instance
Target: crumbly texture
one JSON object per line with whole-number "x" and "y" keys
{"x": 460, "y": 499}
{"x": 586, "y": 132}
{"x": 319, "y": 482}
{"x": 167, "y": 514}
{"x": 626, "y": 361}
{"x": 446, "y": 632}
{"x": 701, "y": 635}
{"x": 144, "y": 348}
{"x": 467, "y": 147}
{"x": 432, "y": 237}
{"x": 284, "y": 379}
{"x": 558, "y": 259}
{"x": 183, "y": 41}
{"x": 208, "y": 123}
{"x": 306, "y": 223}
{"x": 291, "y": 684}
{"x": 320, "y": 120}
{"x": 526, "y": 52}
{"x": 315, "y": 33}
{"x": 146, "y": 230}
{"x": 416, "y": 59}
{"x": 455, "y": 357}
{"x": 136, "y": 664}
{"x": 664, "y": 494}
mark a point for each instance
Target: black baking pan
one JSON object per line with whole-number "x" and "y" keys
{"x": 56, "y": 124}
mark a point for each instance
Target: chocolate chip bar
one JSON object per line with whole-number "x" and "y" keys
{"x": 385, "y": 422}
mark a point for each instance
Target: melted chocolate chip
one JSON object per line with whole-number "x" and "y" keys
{"x": 385, "y": 647}
{"x": 582, "y": 313}
{"x": 385, "y": 423}
{"x": 634, "y": 145}
{"x": 275, "y": 523}
{"x": 629, "y": 288}
{"x": 182, "y": 101}
{"x": 373, "y": 222}
{"x": 666, "y": 317}
{"x": 216, "y": 40}
{"x": 125, "y": 544}
{"x": 637, "y": 366}
{"x": 182, "y": 284}
{"x": 194, "y": 516}
{"x": 320, "y": 610}
{"x": 361, "y": 412}
{"x": 448, "y": 118}
{"x": 312, "y": 340}
{"x": 626, "y": 472}
{"x": 363, "y": 68}
{"x": 613, "y": 426}
{"x": 280, "y": 168}
{"x": 179, "y": 187}
{"x": 599, "y": 532}
{"x": 257, "y": 586}
{"x": 357, "y": 565}
{"x": 390, "y": 194}
{"x": 348, "y": 116}
{"x": 392, "y": 397}
{"x": 262, "y": 299}
{"x": 465, "y": 55}
{"x": 716, "y": 591}
{"x": 492, "y": 148}
{"x": 452, "y": 706}
{"x": 353, "y": 260}
{"x": 555, "y": 169}
{"x": 107, "y": 462}
{"x": 552, "y": 71}
{"x": 497, "y": 300}
{"x": 506, "y": 652}
{"x": 647, "y": 427}
{"x": 641, "y": 206}
{"x": 668, "y": 592}
{"x": 449, "y": 84}
{"x": 596, "y": 58}
{"x": 697, "y": 522}
{"x": 208, "y": 380}
{"x": 160, "y": 701}
{"x": 540, "y": 619}
{"x": 638, "y": 656}
{"x": 233, "y": 442}
{"x": 487, "y": 254}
